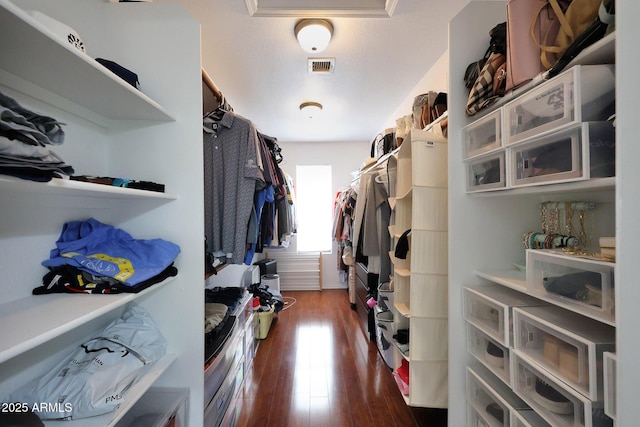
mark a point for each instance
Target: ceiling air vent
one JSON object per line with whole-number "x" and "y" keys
{"x": 321, "y": 65}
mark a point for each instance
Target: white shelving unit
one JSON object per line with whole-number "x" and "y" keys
{"x": 486, "y": 228}
{"x": 112, "y": 129}
{"x": 420, "y": 281}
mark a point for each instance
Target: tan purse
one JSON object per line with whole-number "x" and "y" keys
{"x": 573, "y": 20}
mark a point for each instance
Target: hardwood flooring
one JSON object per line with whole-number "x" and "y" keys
{"x": 318, "y": 368}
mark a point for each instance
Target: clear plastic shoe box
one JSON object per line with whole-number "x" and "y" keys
{"x": 566, "y": 344}
{"x": 580, "y": 94}
{"x": 493, "y": 355}
{"x": 527, "y": 418}
{"x": 610, "y": 368}
{"x": 487, "y": 172}
{"x": 581, "y": 151}
{"x": 483, "y": 135}
{"x": 558, "y": 403}
{"x": 492, "y": 400}
{"x": 582, "y": 285}
{"x": 489, "y": 308}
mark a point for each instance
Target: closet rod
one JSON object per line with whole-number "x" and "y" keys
{"x": 211, "y": 85}
{"x": 440, "y": 118}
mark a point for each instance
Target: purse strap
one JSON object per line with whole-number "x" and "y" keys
{"x": 542, "y": 44}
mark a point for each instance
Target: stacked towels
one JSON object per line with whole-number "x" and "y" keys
{"x": 25, "y": 138}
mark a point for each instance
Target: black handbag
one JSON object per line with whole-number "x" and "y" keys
{"x": 497, "y": 44}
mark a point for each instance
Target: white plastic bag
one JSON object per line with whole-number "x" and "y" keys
{"x": 347, "y": 256}
{"x": 96, "y": 377}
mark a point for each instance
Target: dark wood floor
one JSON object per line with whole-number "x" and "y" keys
{"x": 317, "y": 368}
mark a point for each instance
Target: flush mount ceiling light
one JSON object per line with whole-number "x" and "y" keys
{"x": 314, "y": 34}
{"x": 310, "y": 109}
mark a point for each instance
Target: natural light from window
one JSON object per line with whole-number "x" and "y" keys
{"x": 314, "y": 208}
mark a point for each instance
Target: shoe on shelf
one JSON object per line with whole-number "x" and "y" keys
{"x": 552, "y": 399}
{"x": 495, "y": 411}
{"x": 495, "y": 355}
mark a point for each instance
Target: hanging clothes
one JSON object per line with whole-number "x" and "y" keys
{"x": 376, "y": 239}
{"x": 231, "y": 173}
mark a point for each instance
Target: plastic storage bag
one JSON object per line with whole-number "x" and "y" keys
{"x": 95, "y": 378}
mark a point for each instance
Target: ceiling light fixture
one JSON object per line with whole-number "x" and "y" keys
{"x": 314, "y": 34}
{"x": 311, "y": 109}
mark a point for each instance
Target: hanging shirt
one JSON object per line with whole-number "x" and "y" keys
{"x": 231, "y": 171}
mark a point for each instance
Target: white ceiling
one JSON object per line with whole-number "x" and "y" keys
{"x": 262, "y": 71}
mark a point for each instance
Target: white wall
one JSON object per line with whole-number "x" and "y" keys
{"x": 436, "y": 79}
{"x": 347, "y": 157}
{"x": 344, "y": 158}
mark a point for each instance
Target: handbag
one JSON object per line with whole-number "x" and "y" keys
{"x": 497, "y": 44}
{"x": 594, "y": 32}
{"x": 573, "y": 20}
{"x": 530, "y": 24}
{"x": 482, "y": 93}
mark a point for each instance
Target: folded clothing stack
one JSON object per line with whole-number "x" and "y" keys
{"x": 92, "y": 257}
{"x": 24, "y": 140}
{"x": 121, "y": 182}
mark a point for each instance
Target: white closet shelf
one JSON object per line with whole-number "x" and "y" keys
{"x": 587, "y": 186}
{"x": 64, "y": 313}
{"x": 65, "y": 187}
{"x": 403, "y": 309}
{"x": 404, "y": 272}
{"x": 405, "y": 196}
{"x": 132, "y": 396}
{"x": 89, "y": 85}
{"x": 511, "y": 278}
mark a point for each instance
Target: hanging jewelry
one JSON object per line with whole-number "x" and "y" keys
{"x": 543, "y": 217}
{"x": 554, "y": 216}
{"x": 583, "y": 232}
{"x": 568, "y": 207}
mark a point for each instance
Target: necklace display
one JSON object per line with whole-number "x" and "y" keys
{"x": 557, "y": 224}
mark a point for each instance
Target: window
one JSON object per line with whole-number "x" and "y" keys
{"x": 314, "y": 208}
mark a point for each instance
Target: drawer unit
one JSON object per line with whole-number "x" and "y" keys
{"x": 489, "y": 308}
{"x": 249, "y": 341}
{"x": 527, "y": 418}
{"x": 556, "y": 402}
{"x": 610, "y": 371}
{"x": 493, "y": 400}
{"x": 215, "y": 374}
{"x": 486, "y": 172}
{"x": 580, "y": 94}
{"x": 489, "y": 352}
{"x": 565, "y": 344}
{"x": 581, "y": 151}
{"x": 477, "y": 419}
{"x": 582, "y": 285}
{"x": 483, "y": 135}
{"x": 217, "y": 408}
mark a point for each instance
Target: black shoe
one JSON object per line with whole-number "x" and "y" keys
{"x": 552, "y": 399}
{"x": 496, "y": 411}
{"x": 495, "y": 355}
